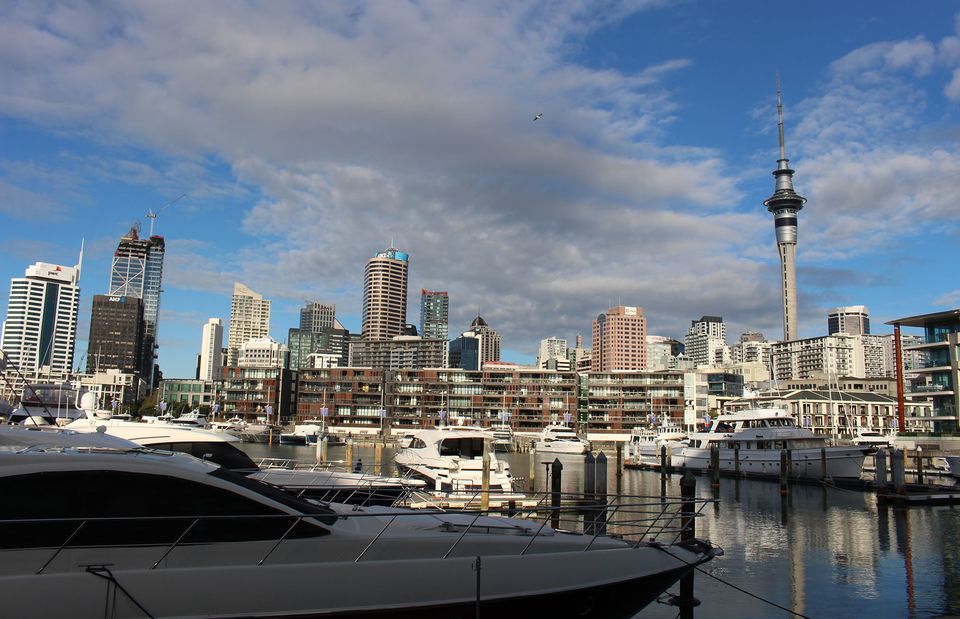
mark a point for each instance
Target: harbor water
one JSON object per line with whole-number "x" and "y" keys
{"x": 819, "y": 551}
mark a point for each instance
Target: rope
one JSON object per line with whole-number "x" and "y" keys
{"x": 733, "y": 586}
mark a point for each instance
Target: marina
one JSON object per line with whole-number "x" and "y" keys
{"x": 815, "y": 550}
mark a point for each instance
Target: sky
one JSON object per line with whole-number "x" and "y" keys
{"x": 309, "y": 136}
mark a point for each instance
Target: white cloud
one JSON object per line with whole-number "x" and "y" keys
{"x": 949, "y": 299}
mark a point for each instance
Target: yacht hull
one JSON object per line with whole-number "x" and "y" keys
{"x": 561, "y": 447}
{"x": 602, "y": 583}
{"x": 841, "y": 462}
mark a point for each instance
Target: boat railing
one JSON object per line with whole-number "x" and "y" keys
{"x": 637, "y": 520}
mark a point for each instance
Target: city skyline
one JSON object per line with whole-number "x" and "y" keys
{"x": 641, "y": 184}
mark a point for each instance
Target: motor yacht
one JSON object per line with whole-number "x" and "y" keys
{"x": 874, "y": 438}
{"x": 757, "y": 436}
{"x": 122, "y": 533}
{"x": 502, "y": 437}
{"x": 46, "y": 404}
{"x": 450, "y": 460}
{"x": 645, "y": 443}
{"x": 558, "y": 438}
{"x": 221, "y": 448}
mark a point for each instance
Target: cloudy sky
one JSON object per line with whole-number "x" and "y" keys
{"x": 308, "y": 136}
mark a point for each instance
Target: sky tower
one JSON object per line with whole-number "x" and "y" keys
{"x": 784, "y": 204}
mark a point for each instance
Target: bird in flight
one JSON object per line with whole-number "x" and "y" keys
{"x": 538, "y": 116}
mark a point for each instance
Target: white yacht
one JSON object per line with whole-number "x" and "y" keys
{"x": 221, "y": 448}
{"x": 874, "y": 438}
{"x": 91, "y": 533}
{"x": 952, "y": 463}
{"x": 646, "y": 442}
{"x": 758, "y": 436}
{"x": 502, "y": 437}
{"x": 46, "y": 404}
{"x": 558, "y": 438}
{"x": 450, "y": 460}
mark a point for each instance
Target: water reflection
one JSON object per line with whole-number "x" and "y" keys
{"x": 822, "y": 551}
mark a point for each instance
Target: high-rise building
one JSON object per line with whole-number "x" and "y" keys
{"x": 785, "y": 203}
{"x": 249, "y": 316}
{"x": 705, "y": 340}
{"x": 317, "y": 316}
{"x": 327, "y": 341}
{"x": 853, "y": 319}
{"x": 211, "y": 345}
{"x": 434, "y": 314}
{"x": 137, "y": 271}
{"x": 40, "y": 331}
{"x": 116, "y": 340}
{"x": 552, "y": 349}
{"x": 620, "y": 340}
{"x": 385, "y": 295}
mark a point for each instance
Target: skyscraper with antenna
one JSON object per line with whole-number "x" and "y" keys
{"x": 785, "y": 203}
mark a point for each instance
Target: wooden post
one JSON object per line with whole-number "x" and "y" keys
{"x": 736, "y": 458}
{"x": 823, "y": 464}
{"x": 619, "y": 466}
{"x": 715, "y": 465}
{"x": 485, "y": 479}
{"x": 896, "y": 466}
{"x": 783, "y": 472}
{"x": 533, "y": 468}
{"x": 378, "y": 458}
{"x": 918, "y": 460}
{"x": 688, "y": 531}
{"x": 789, "y": 463}
{"x": 601, "y": 492}
{"x": 880, "y": 464}
{"x": 589, "y": 476}
{"x": 555, "y": 492}
{"x": 349, "y": 456}
{"x": 324, "y": 449}
{"x": 663, "y": 470}
{"x": 590, "y": 492}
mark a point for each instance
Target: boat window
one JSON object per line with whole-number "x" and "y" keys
{"x": 761, "y": 423}
{"x": 723, "y": 426}
{"x": 224, "y": 454}
{"x": 464, "y": 447}
{"x": 171, "y": 505}
{"x": 417, "y": 443}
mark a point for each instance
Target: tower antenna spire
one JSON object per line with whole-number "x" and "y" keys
{"x": 783, "y": 148}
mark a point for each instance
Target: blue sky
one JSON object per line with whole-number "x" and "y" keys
{"x": 308, "y": 135}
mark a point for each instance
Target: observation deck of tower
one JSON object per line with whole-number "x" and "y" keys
{"x": 785, "y": 203}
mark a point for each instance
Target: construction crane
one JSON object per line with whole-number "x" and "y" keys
{"x": 153, "y": 216}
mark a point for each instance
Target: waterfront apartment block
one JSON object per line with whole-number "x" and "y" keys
{"x": 619, "y": 340}
{"x": 398, "y": 353}
{"x": 941, "y": 368}
{"x": 599, "y": 402}
{"x": 246, "y": 392}
{"x": 192, "y": 392}
{"x": 385, "y": 295}
{"x": 39, "y": 333}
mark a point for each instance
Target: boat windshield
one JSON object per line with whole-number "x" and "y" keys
{"x": 272, "y": 492}
{"x": 224, "y": 454}
{"x": 467, "y": 447}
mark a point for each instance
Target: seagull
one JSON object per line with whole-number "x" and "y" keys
{"x": 538, "y": 116}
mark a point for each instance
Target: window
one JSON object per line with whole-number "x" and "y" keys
{"x": 119, "y": 494}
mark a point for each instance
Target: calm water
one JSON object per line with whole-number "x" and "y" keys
{"x": 823, "y": 552}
